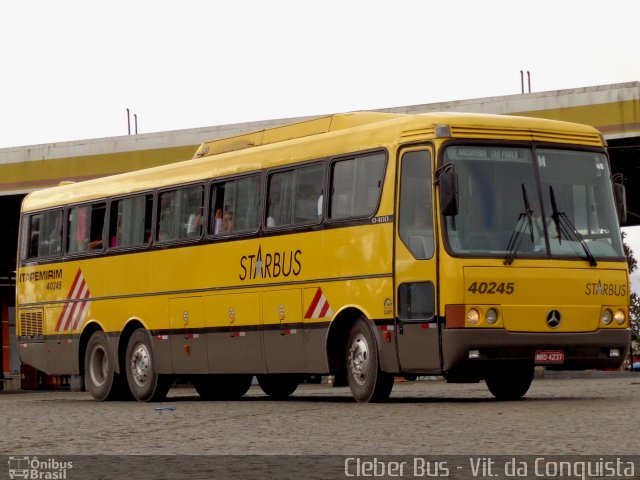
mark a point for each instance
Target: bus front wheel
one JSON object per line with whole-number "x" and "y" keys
{"x": 510, "y": 382}
{"x": 366, "y": 381}
{"x": 145, "y": 383}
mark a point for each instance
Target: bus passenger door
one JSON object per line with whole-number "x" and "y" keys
{"x": 283, "y": 332}
{"x": 415, "y": 265}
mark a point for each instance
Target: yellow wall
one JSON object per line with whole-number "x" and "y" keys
{"x": 617, "y": 115}
{"x": 32, "y": 175}
{"x": 609, "y": 118}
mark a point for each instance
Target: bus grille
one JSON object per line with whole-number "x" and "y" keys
{"x": 31, "y": 323}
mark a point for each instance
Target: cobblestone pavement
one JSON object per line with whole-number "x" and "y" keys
{"x": 596, "y": 415}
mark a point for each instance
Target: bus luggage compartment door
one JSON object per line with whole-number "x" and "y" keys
{"x": 283, "y": 331}
{"x": 188, "y": 344}
{"x": 234, "y": 339}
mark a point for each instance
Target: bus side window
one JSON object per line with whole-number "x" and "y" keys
{"x": 85, "y": 228}
{"x": 308, "y": 194}
{"x": 44, "y": 234}
{"x": 416, "y": 217}
{"x": 416, "y": 301}
{"x": 235, "y": 206}
{"x": 356, "y": 186}
{"x": 279, "y": 206}
{"x": 180, "y": 213}
{"x": 294, "y": 196}
{"x": 130, "y": 221}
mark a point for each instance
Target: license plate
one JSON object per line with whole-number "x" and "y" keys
{"x": 549, "y": 356}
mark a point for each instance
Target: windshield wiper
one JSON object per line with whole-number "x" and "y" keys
{"x": 516, "y": 235}
{"x": 564, "y": 226}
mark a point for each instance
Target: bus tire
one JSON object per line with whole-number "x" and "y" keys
{"x": 145, "y": 383}
{"x": 366, "y": 381}
{"x": 279, "y": 385}
{"x": 510, "y": 382}
{"x": 222, "y": 387}
{"x": 100, "y": 378}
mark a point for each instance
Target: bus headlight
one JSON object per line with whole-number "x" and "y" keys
{"x": 607, "y": 316}
{"x": 491, "y": 316}
{"x": 473, "y": 316}
{"x": 620, "y": 317}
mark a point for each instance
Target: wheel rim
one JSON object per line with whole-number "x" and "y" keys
{"x": 98, "y": 366}
{"x": 140, "y": 364}
{"x": 359, "y": 359}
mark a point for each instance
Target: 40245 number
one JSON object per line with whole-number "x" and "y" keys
{"x": 491, "y": 288}
{"x": 54, "y": 285}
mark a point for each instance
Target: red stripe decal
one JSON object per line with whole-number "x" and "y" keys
{"x": 324, "y": 310}
{"x": 73, "y": 312}
{"x": 314, "y": 303}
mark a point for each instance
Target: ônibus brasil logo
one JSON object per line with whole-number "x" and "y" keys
{"x": 35, "y": 468}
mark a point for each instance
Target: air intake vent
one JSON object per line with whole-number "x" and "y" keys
{"x": 586, "y": 138}
{"x": 30, "y": 323}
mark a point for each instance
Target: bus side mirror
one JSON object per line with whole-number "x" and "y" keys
{"x": 447, "y": 179}
{"x": 620, "y": 197}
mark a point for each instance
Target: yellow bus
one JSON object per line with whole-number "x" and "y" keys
{"x": 365, "y": 246}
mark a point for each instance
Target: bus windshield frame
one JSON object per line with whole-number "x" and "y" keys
{"x": 532, "y": 201}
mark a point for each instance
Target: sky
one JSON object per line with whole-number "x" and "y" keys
{"x": 69, "y": 69}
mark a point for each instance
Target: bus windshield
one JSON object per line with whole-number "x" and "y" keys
{"x": 532, "y": 203}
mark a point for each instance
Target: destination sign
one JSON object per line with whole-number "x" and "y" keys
{"x": 473, "y": 152}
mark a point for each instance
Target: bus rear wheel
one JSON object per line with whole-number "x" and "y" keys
{"x": 366, "y": 381}
{"x": 222, "y": 387}
{"x": 145, "y": 383}
{"x": 100, "y": 378}
{"x": 510, "y": 382}
{"x": 279, "y": 385}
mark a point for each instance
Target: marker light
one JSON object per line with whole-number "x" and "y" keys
{"x": 443, "y": 131}
{"x": 491, "y": 316}
{"x": 607, "y": 316}
{"x": 620, "y": 317}
{"x": 473, "y": 316}
{"x": 474, "y": 354}
{"x": 614, "y": 353}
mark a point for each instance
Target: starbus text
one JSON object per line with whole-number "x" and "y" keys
{"x": 271, "y": 265}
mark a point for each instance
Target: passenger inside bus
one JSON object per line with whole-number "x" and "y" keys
{"x": 194, "y": 223}
{"x": 227, "y": 222}
{"x": 217, "y": 221}
{"x": 96, "y": 243}
{"x": 115, "y": 240}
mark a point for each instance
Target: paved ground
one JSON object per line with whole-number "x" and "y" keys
{"x": 588, "y": 414}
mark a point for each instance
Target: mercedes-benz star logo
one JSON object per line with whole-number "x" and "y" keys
{"x": 553, "y": 318}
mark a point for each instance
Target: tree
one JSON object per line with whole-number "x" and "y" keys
{"x": 634, "y": 308}
{"x": 634, "y": 315}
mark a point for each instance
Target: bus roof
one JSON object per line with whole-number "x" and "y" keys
{"x": 282, "y": 133}
{"x": 312, "y": 139}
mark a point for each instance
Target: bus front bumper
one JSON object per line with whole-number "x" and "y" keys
{"x": 476, "y": 350}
